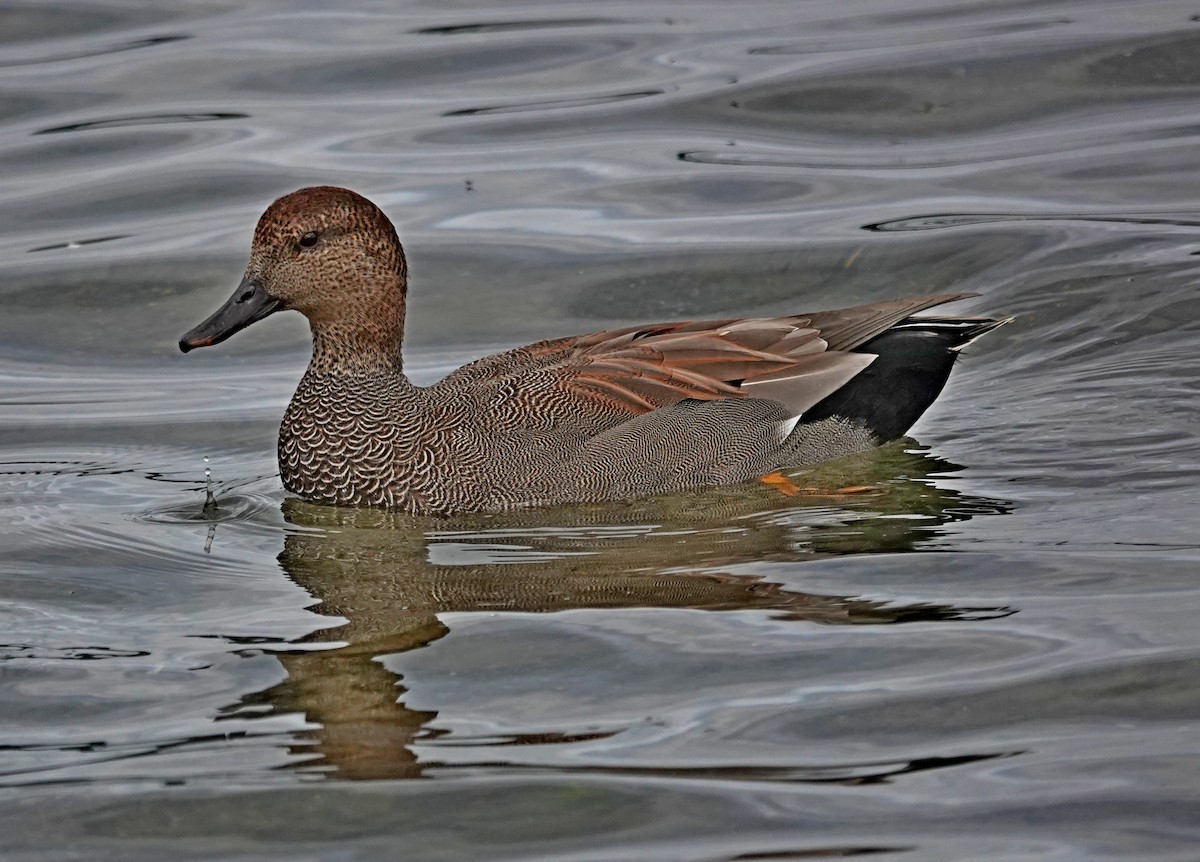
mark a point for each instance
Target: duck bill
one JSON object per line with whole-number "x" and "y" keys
{"x": 249, "y": 304}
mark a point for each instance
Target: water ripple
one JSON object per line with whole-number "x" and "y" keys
{"x": 9, "y": 652}
{"x": 229, "y": 508}
{"x": 79, "y": 243}
{"x": 554, "y": 104}
{"x": 142, "y": 120}
{"x": 951, "y": 220}
{"x": 723, "y": 674}
{"x": 508, "y": 26}
{"x": 120, "y": 47}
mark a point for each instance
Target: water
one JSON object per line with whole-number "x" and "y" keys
{"x": 988, "y": 652}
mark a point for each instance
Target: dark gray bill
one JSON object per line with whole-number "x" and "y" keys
{"x": 249, "y": 303}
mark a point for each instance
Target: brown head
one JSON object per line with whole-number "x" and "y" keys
{"x": 333, "y": 256}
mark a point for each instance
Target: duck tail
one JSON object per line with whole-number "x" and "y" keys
{"x": 958, "y": 332}
{"x": 914, "y": 360}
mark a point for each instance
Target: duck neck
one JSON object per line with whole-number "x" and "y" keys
{"x": 350, "y": 347}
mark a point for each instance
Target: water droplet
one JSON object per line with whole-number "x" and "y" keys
{"x": 210, "y": 499}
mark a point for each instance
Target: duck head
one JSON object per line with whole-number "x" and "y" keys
{"x": 333, "y": 256}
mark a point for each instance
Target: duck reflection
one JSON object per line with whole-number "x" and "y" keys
{"x": 390, "y": 576}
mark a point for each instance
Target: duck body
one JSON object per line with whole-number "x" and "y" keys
{"x": 609, "y": 415}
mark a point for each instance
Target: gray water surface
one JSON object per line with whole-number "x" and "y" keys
{"x": 986, "y": 649}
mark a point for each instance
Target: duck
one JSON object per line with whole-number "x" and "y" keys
{"x": 622, "y": 413}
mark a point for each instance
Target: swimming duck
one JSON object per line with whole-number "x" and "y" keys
{"x": 610, "y": 415}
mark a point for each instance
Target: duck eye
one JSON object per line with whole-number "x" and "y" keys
{"x": 309, "y": 239}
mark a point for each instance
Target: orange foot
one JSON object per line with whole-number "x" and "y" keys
{"x": 780, "y": 481}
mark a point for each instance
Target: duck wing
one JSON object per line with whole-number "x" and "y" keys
{"x": 796, "y": 361}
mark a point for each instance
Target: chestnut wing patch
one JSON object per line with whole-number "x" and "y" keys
{"x": 796, "y": 361}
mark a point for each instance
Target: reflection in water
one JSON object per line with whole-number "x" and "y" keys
{"x": 391, "y": 575}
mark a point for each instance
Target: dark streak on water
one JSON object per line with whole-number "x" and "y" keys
{"x": 991, "y": 652}
{"x": 947, "y": 220}
{"x": 552, "y": 105}
{"x": 144, "y": 120}
{"x": 509, "y": 26}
